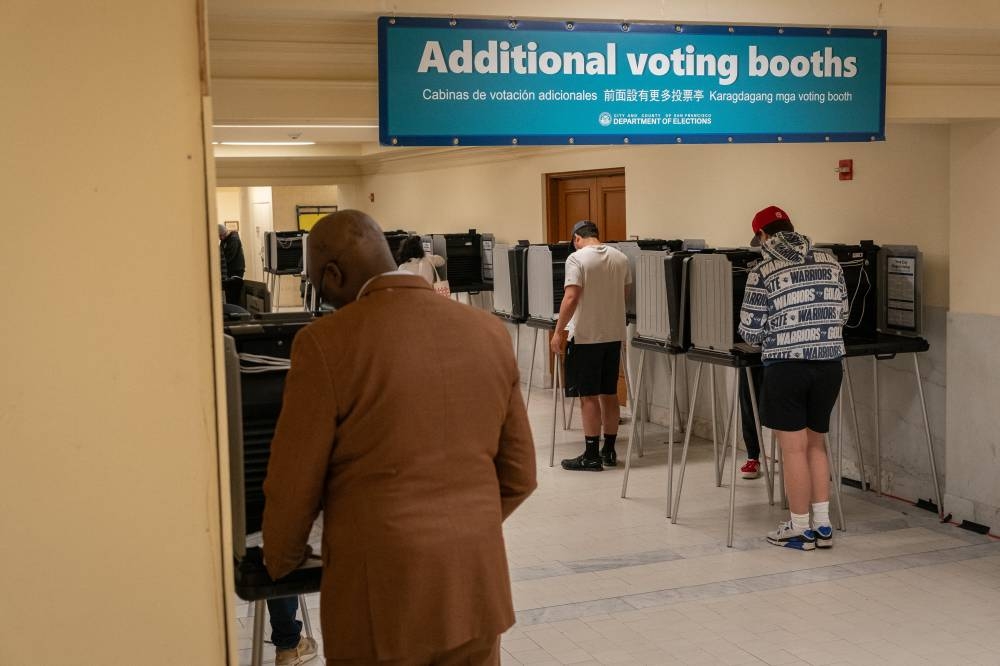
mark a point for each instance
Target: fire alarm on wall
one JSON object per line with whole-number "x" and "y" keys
{"x": 846, "y": 169}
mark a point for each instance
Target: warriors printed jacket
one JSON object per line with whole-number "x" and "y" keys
{"x": 795, "y": 305}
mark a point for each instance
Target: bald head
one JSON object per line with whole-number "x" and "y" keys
{"x": 346, "y": 249}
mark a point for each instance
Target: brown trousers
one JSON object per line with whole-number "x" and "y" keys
{"x": 479, "y": 652}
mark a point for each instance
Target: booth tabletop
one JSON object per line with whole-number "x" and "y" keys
{"x": 886, "y": 345}
{"x": 509, "y": 317}
{"x": 547, "y": 324}
{"x": 648, "y": 344}
{"x": 883, "y": 346}
{"x": 253, "y": 581}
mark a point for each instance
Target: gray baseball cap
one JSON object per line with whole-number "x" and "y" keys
{"x": 580, "y": 225}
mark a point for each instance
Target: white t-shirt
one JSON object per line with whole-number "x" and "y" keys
{"x": 602, "y": 273}
{"x": 424, "y": 267}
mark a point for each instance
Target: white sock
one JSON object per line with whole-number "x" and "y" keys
{"x": 821, "y": 514}
{"x": 800, "y": 521}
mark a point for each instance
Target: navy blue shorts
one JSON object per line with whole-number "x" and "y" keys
{"x": 799, "y": 394}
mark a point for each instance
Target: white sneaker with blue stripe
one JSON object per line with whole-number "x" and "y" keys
{"x": 823, "y": 536}
{"x": 789, "y": 537}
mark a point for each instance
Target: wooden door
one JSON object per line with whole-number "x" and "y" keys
{"x": 598, "y": 196}
{"x": 611, "y": 207}
{"x": 577, "y": 200}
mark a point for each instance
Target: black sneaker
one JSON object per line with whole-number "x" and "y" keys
{"x": 609, "y": 458}
{"x": 583, "y": 464}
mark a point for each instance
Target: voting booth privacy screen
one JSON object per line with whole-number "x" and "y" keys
{"x": 507, "y": 82}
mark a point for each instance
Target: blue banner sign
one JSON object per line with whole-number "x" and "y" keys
{"x": 491, "y": 82}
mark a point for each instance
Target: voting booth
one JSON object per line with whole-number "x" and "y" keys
{"x": 257, "y": 358}
{"x": 546, "y": 280}
{"x": 468, "y": 259}
{"x": 717, "y": 283}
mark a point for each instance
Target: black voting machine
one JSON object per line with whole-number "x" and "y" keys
{"x": 859, "y": 263}
{"x": 510, "y": 285}
{"x": 468, "y": 259}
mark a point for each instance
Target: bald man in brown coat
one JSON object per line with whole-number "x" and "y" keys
{"x": 403, "y": 422}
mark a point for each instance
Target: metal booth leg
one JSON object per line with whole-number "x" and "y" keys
{"x": 555, "y": 408}
{"x": 672, "y": 366}
{"x": 836, "y": 486}
{"x": 715, "y": 435}
{"x": 774, "y": 469}
{"x": 257, "y": 653}
{"x": 781, "y": 463}
{"x": 760, "y": 437}
{"x": 721, "y": 463}
{"x": 687, "y": 389}
{"x": 562, "y": 403}
{"x": 632, "y": 396}
{"x": 531, "y": 367}
{"x": 878, "y": 440}
{"x": 306, "y": 622}
{"x": 677, "y": 403}
{"x": 840, "y": 435}
{"x": 646, "y": 401}
{"x": 517, "y": 340}
{"x": 857, "y": 427}
{"x": 687, "y": 442}
{"x": 735, "y": 420}
{"x": 631, "y": 423}
{"x": 927, "y": 431}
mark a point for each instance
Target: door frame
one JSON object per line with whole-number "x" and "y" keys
{"x": 551, "y": 185}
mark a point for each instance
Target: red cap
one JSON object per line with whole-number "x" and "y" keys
{"x": 766, "y": 217}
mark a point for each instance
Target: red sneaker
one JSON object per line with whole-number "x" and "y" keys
{"x": 751, "y": 470}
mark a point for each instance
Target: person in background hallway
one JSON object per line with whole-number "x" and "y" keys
{"x": 233, "y": 265}
{"x": 415, "y": 477}
{"x": 232, "y": 252}
{"x": 412, "y": 258}
{"x": 795, "y": 308}
{"x": 591, "y": 327}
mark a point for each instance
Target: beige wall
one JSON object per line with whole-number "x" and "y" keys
{"x": 284, "y": 199}
{"x": 975, "y": 230}
{"x": 227, "y": 205}
{"x": 974, "y": 326}
{"x": 110, "y": 549}
{"x": 900, "y": 193}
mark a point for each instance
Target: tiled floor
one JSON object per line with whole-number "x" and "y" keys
{"x": 602, "y": 580}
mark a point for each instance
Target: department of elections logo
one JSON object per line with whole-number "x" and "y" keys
{"x": 604, "y": 119}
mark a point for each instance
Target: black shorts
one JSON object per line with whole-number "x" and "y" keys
{"x": 799, "y": 394}
{"x": 592, "y": 369}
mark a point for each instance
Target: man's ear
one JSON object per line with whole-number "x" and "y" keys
{"x": 332, "y": 277}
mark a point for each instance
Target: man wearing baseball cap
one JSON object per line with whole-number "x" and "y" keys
{"x": 766, "y": 217}
{"x": 592, "y": 318}
{"x": 795, "y": 307}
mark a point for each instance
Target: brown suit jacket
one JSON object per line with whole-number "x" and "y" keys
{"x": 403, "y": 422}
